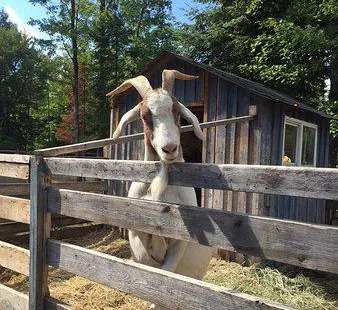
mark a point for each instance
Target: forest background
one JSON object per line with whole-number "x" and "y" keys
{"x": 52, "y": 90}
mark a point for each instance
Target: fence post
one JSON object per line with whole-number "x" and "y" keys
{"x": 40, "y": 223}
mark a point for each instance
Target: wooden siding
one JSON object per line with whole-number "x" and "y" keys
{"x": 259, "y": 142}
{"x": 288, "y": 207}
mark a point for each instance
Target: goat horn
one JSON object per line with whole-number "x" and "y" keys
{"x": 141, "y": 84}
{"x": 169, "y": 76}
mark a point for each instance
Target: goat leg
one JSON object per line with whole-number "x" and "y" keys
{"x": 175, "y": 251}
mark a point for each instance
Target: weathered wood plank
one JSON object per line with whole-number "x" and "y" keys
{"x": 66, "y": 221}
{"x": 12, "y": 300}
{"x": 254, "y": 155}
{"x": 161, "y": 287}
{"x": 265, "y": 118}
{"x": 211, "y": 133}
{"x": 76, "y": 230}
{"x": 72, "y": 148}
{"x": 15, "y": 158}
{"x": 220, "y": 137}
{"x": 231, "y": 134}
{"x": 11, "y": 228}
{"x": 14, "y": 170}
{"x": 88, "y": 186}
{"x": 204, "y": 85}
{"x": 40, "y": 223}
{"x": 242, "y": 144}
{"x": 305, "y": 245}
{"x": 190, "y": 86}
{"x": 14, "y": 258}
{"x": 21, "y": 189}
{"x": 72, "y": 231}
{"x": 296, "y": 181}
{"x": 14, "y": 209}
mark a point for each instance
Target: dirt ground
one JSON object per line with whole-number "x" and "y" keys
{"x": 295, "y": 287}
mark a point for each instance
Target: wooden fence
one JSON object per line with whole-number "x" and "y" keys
{"x": 305, "y": 245}
{"x": 14, "y": 228}
{"x": 300, "y": 244}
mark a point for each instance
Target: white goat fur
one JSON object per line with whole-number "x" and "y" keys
{"x": 173, "y": 255}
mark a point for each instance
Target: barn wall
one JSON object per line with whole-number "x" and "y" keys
{"x": 288, "y": 207}
{"x": 259, "y": 142}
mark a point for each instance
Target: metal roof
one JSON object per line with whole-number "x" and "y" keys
{"x": 255, "y": 87}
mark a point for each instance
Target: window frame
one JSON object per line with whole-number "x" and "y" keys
{"x": 299, "y": 124}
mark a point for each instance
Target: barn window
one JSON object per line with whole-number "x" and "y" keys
{"x": 300, "y": 143}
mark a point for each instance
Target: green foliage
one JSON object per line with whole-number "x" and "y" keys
{"x": 288, "y": 45}
{"x": 23, "y": 88}
{"x": 283, "y": 44}
{"x": 126, "y": 35}
{"x": 115, "y": 39}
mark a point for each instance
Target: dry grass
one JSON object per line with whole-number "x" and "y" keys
{"x": 295, "y": 287}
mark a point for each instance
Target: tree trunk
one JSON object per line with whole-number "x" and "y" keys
{"x": 140, "y": 20}
{"x": 333, "y": 94}
{"x": 75, "y": 71}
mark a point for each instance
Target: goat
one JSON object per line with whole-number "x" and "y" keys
{"x": 160, "y": 113}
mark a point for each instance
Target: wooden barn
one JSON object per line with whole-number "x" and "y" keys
{"x": 284, "y": 132}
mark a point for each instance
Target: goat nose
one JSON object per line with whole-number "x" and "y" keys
{"x": 169, "y": 148}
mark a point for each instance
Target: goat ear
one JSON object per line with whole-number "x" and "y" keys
{"x": 192, "y": 119}
{"x": 128, "y": 117}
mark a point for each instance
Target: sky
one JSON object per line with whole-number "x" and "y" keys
{"x": 20, "y": 12}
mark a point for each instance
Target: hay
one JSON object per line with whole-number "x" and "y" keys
{"x": 294, "y": 287}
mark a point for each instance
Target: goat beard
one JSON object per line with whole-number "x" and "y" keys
{"x": 159, "y": 184}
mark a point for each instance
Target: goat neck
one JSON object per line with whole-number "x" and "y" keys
{"x": 159, "y": 185}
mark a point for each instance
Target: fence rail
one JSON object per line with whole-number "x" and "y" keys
{"x": 305, "y": 245}
{"x": 161, "y": 287}
{"x": 12, "y": 300}
{"x": 14, "y": 258}
{"x": 72, "y": 148}
{"x": 295, "y": 181}
{"x": 14, "y": 209}
{"x": 22, "y": 189}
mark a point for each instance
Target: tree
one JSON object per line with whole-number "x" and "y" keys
{"x": 66, "y": 22}
{"x": 23, "y": 88}
{"x": 126, "y": 35}
{"x": 282, "y": 43}
{"x": 112, "y": 39}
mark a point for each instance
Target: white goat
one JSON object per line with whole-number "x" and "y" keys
{"x": 160, "y": 113}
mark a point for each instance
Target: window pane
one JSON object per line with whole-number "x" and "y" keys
{"x": 290, "y": 144}
{"x": 308, "y": 147}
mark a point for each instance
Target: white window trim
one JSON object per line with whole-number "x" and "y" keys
{"x": 299, "y": 144}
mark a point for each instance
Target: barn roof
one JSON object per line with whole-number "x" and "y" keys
{"x": 255, "y": 87}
